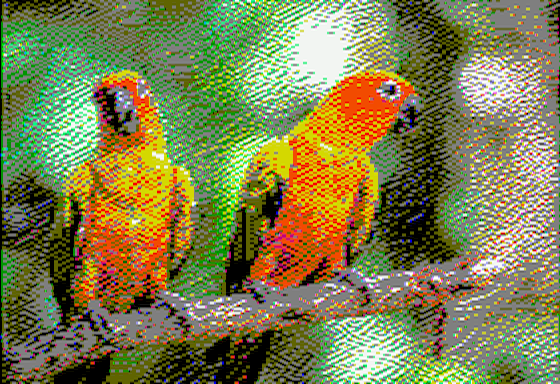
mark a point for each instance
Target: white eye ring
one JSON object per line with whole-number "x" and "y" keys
{"x": 389, "y": 90}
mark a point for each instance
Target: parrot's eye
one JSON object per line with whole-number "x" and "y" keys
{"x": 389, "y": 90}
{"x": 117, "y": 108}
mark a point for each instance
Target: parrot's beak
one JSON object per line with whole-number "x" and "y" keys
{"x": 407, "y": 117}
{"x": 116, "y": 106}
{"x": 128, "y": 128}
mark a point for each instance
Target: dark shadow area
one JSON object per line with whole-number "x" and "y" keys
{"x": 317, "y": 273}
{"x": 28, "y": 236}
{"x": 408, "y": 224}
{"x": 250, "y": 355}
{"x": 246, "y": 239}
{"x": 49, "y": 9}
{"x": 89, "y": 372}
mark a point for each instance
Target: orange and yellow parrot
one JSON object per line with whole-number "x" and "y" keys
{"x": 135, "y": 204}
{"x": 332, "y": 186}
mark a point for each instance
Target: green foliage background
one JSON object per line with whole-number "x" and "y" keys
{"x": 213, "y": 132}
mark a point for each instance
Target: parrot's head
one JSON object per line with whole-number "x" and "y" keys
{"x": 361, "y": 109}
{"x": 126, "y": 113}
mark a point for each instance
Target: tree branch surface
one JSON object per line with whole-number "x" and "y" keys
{"x": 173, "y": 318}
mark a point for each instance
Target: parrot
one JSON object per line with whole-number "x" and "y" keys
{"x": 134, "y": 206}
{"x": 330, "y": 186}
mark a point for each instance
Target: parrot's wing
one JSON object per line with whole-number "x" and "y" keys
{"x": 64, "y": 264}
{"x": 360, "y": 226}
{"x": 274, "y": 158}
{"x": 181, "y": 222}
{"x": 183, "y": 198}
{"x": 262, "y": 190}
{"x": 70, "y": 209}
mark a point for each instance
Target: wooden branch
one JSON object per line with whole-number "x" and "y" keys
{"x": 176, "y": 319}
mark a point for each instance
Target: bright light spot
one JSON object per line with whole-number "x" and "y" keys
{"x": 65, "y": 134}
{"x": 493, "y": 86}
{"x": 321, "y": 48}
{"x": 304, "y": 56}
{"x": 365, "y": 347}
{"x": 491, "y": 266}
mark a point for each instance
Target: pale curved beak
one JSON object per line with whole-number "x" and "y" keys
{"x": 407, "y": 117}
{"x": 413, "y": 101}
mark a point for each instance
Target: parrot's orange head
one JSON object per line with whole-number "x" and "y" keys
{"x": 126, "y": 114}
{"x": 362, "y": 108}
